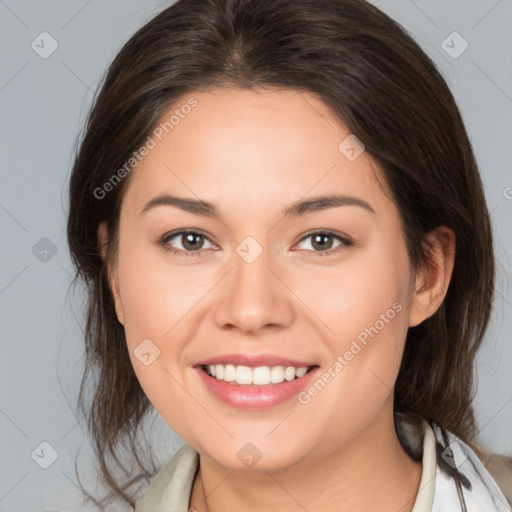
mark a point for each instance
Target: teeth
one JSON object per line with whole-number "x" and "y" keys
{"x": 259, "y": 376}
{"x": 229, "y": 373}
{"x": 243, "y": 375}
{"x": 219, "y": 371}
{"x": 301, "y": 371}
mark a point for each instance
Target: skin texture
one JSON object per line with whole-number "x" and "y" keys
{"x": 253, "y": 153}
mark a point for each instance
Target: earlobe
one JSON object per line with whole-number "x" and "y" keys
{"x": 432, "y": 284}
{"x": 112, "y": 279}
{"x": 114, "y": 287}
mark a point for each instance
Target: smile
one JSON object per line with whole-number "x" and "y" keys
{"x": 259, "y": 376}
{"x": 254, "y": 388}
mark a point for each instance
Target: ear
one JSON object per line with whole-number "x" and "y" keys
{"x": 113, "y": 281}
{"x": 432, "y": 284}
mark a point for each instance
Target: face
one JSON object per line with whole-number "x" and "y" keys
{"x": 325, "y": 287}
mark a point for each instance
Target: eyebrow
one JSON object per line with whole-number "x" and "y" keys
{"x": 297, "y": 209}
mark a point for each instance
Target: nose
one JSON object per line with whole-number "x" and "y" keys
{"x": 254, "y": 297}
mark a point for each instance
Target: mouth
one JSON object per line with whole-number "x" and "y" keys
{"x": 255, "y": 388}
{"x": 259, "y": 376}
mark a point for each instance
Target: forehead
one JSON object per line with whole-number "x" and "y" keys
{"x": 252, "y": 148}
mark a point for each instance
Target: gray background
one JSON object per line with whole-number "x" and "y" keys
{"x": 43, "y": 103}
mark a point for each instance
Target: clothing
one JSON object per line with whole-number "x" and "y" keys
{"x": 441, "y": 458}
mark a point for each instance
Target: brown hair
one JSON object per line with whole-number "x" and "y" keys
{"x": 382, "y": 86}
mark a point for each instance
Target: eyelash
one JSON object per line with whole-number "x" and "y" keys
{"x": 164, "y": 240}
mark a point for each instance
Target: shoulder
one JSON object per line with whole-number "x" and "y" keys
{"x": 170, "y": 490}
{"x": 460, "y": 477}
{"x": 459, "y": 464}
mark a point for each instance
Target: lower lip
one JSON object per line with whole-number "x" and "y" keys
{"x": 255, "y": 397}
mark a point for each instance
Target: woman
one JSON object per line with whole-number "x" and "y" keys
{"x": 279, "y": 217}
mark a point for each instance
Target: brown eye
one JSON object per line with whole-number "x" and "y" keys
{"x": 323, "y": 242}
{"x": 190, "y": 242}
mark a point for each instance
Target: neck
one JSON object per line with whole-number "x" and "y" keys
{"x": 372, "y": 472}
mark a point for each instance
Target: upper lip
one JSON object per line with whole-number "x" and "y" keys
{"x": 254, "y": 360}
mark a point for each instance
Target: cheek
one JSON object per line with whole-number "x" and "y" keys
{"x": 351, "y": 297}
{"x": 365, "y": 306}
{"x": 156, "y": 295}
{"x": 160, "y": 303}
{"x": 155, "y": 310}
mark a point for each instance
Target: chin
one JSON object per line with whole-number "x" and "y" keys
{"x": 254, "y": 457}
